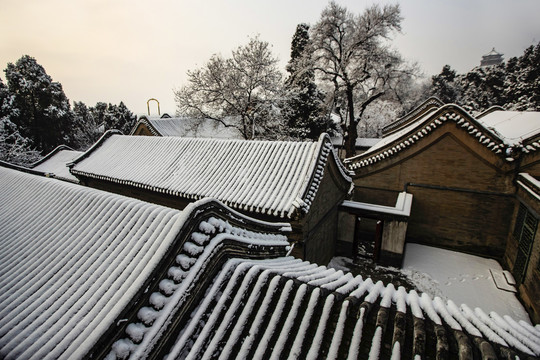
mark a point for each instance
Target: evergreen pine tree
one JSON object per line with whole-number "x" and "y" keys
{"x": 43, "y": 111}
{"x": 87, "y": 130}
{"x": 304, "y": 109}
{"x": 14, "y": 147}
{"x": 444, "y": 86}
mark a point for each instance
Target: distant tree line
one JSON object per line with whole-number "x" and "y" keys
{"x": 36, "y": 116}
{"x": 342, "y": 77}
{"x": 514, "y": 84}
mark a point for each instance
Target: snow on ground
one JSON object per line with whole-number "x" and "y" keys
{"x": 340, "y": 263}
{"x": 462, "y": 278}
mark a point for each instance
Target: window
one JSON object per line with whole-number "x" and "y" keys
{"x": 524, "y": 232}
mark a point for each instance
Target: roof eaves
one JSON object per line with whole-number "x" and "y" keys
{"x": 449, "y": 112}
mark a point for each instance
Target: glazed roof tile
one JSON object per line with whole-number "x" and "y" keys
{"x": 287, "y": 308}
{"x": 76, "y": 261}
{"x": 70, "y": 260}
{"x": 270, "y": 177}
{"x": 188, "y": 127}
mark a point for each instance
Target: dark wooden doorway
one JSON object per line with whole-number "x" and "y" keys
{"x": 367, "y": 238}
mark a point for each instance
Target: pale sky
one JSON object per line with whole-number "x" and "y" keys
{"x": 131, "y": 50}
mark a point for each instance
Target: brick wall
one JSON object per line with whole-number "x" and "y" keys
{"x": 462, "y": 198}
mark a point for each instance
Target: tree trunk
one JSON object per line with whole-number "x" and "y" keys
{"x": 352, "y": 134}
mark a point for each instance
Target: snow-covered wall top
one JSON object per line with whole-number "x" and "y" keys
{"x": 271, "y": 177}
{"x": 55, "y": 164}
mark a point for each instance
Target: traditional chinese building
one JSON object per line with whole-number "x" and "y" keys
{"x": 469, "y": 176}
{"x": 300, "y": 182}
{"x": 185, "y": 127}
{"x": 491, "y": 58}
{"x": 89, "y": 274}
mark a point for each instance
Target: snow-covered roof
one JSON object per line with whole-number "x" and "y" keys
{"x": 270, "y": 177}
{"x": 429, "y": 104}
{"x": 55, "y": 163}
{"x": 500, "y": 131}
{"x": 288, "y": 308}
{"x": 493, "y": 52}
{"x": 513, "y": 127}
{"x": 188, "y": 127}
{"x": 85, "y": 272}
{"x": 75, "y": 262}
{"x": 71, "y": 259}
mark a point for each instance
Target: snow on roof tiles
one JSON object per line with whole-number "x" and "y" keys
{"x": 71, "y": 259}
{"x": 270, "y": 177}
{"x": 512, "y": 126}
{"x": 251, "y": 308}
{"x": 74, "y": 260}
{"x": 55, "y": 163}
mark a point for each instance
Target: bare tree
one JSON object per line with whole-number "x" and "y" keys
{"x": 351, "y": 52}
{"x": 238, "y": 92}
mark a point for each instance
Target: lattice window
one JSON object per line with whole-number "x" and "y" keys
{"x": 524, "y": 232}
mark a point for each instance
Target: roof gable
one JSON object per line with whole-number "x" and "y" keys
{"x": 270, "y": 177}
{"x": 478, "y": 129}
{"x": 428, "y": 105}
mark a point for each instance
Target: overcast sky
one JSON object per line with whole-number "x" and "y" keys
{"x": 131, "y": 50}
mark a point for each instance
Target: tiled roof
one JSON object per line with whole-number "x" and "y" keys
{"x": 503, "y": 143}
{"x": 284, "y": 308}
{"x": 431, "y": 103}
{"x": 75, "y": 262}
{"x": 55, "y": 163}
{"x": 70, "y": 260}
{"x": 85, "y": 273}
{"x": 188, "y": 127}
{"x": 514, "y": 127}
{"x": 270, "y": 177}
